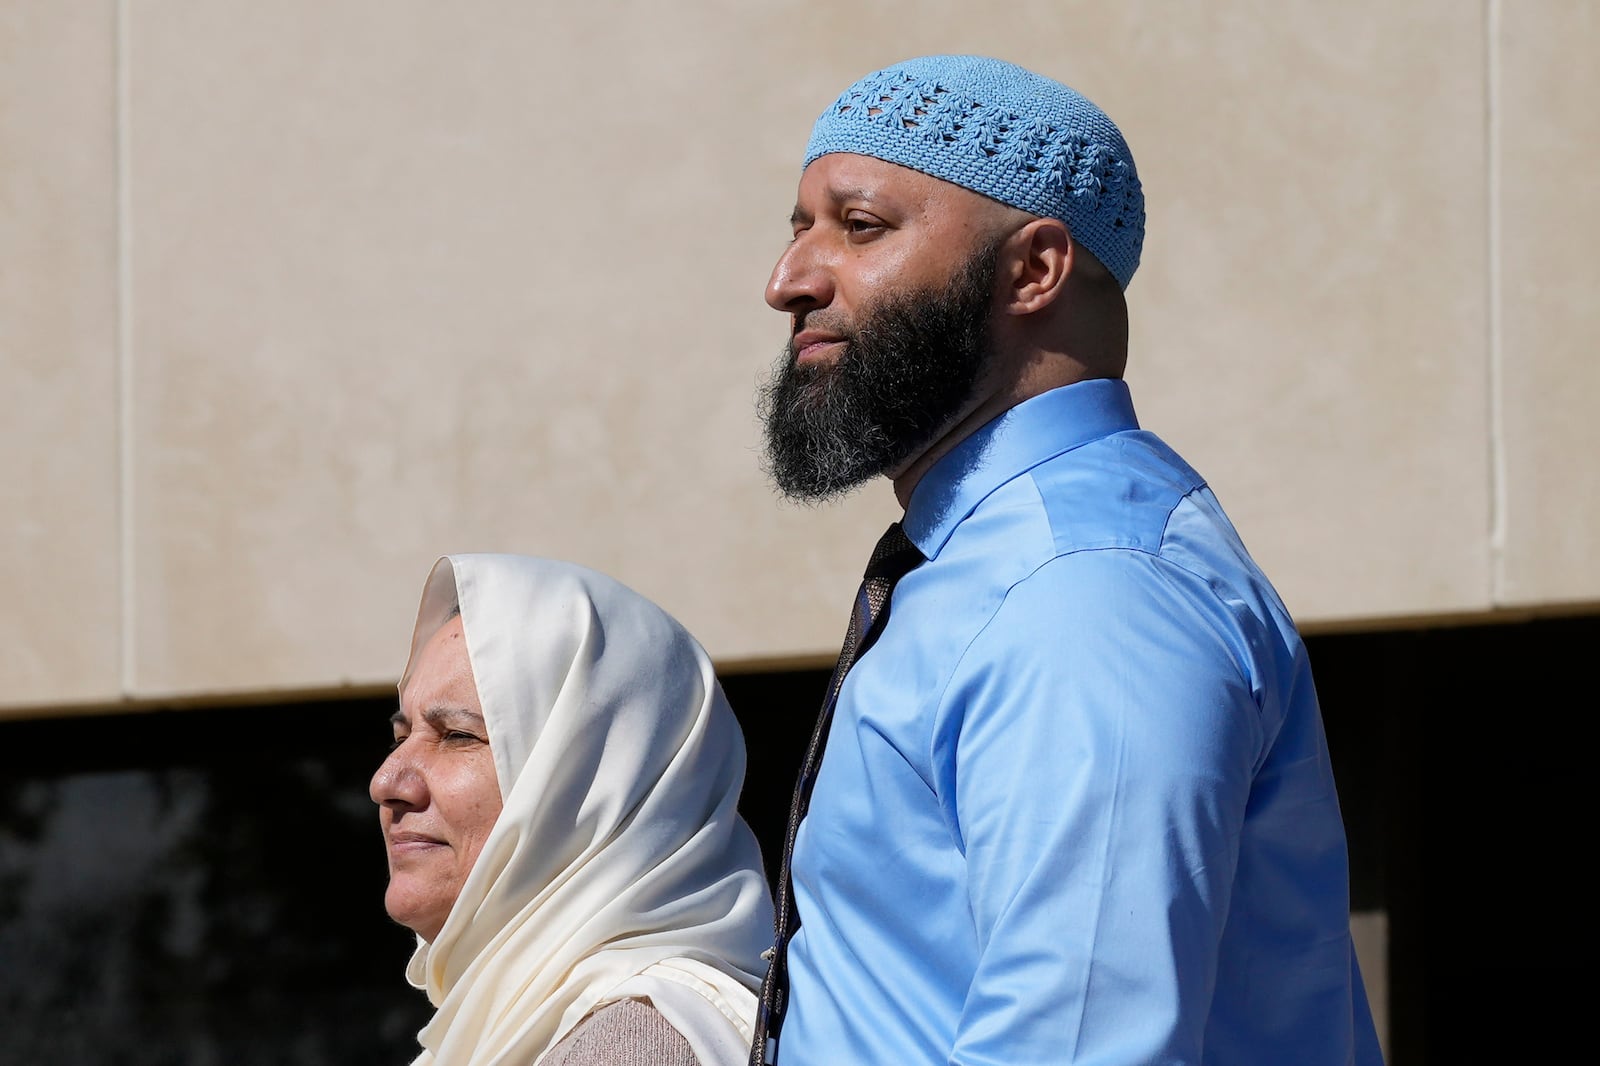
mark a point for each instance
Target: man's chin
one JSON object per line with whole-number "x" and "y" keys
{"x": 812, "y": 381}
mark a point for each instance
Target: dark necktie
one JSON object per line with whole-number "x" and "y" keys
{"x": 891, "y": 559}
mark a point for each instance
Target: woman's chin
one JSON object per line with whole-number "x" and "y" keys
{"x": 423, "y": 918}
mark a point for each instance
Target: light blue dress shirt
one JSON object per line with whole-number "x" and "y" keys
{"x": 1076, "y": 804}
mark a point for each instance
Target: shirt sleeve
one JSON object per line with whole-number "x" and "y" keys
{"x": 1098, "y": 741}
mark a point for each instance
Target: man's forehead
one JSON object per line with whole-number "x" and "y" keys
{"x": 866, "y": 171}
{"x": 839, "y": 177}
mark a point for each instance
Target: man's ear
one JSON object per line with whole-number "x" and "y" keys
{"x": 1038, "y": 261}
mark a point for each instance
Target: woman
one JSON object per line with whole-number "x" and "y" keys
{"x": 559, "y": 814}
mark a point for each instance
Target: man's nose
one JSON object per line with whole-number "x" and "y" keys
{"x": 800, "y": 281}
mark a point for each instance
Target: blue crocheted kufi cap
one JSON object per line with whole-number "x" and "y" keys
{"x": 1003, "y": 131}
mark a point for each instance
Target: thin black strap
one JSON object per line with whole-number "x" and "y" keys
{"x": 893, "y": 557}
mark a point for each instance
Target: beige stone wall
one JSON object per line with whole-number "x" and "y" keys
{"x": 296, "y": 297}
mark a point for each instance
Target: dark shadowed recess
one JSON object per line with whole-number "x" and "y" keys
{"x": 205, "y": 886}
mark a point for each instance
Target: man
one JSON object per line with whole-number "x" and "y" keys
{"x": 1075, "y": 803}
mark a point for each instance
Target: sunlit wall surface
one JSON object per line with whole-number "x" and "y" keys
{"x": 296, "y": 297}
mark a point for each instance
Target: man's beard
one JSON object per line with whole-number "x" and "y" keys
{"x": 905, "y": 372}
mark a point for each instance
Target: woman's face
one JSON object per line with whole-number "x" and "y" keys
{"x": 437, "y": 793}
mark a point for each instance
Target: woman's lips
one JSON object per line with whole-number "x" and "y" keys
{"x": 409, "y": 843}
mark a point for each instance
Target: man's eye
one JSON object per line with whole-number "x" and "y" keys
{"x": 857, "y": 225}
{"x": 396, "y": 742}
{"x": 459, "y": 736}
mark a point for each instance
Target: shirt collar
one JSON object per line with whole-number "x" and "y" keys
{"x": 1016, "y": 440}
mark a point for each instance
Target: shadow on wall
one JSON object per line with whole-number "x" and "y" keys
{"x": 199, "y": 887}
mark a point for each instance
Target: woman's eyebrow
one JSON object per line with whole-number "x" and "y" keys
{"x": 444, "y": 715}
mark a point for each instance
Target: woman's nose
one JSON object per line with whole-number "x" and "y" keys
{"x": 399, "y": 782}
{"x": 799, "y": 281}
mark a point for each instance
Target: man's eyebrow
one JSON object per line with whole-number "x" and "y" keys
{"x": 398, "y": 717}
{"x": 856, "y": 193}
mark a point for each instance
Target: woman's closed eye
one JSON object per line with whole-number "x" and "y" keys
{"x": 456, "y": 727}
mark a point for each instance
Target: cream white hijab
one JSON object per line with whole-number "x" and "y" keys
{"x": 618, "y": 866}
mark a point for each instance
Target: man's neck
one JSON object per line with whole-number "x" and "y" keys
{"x": 906, "y": 476}
{"x": 1035, "y": 378}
